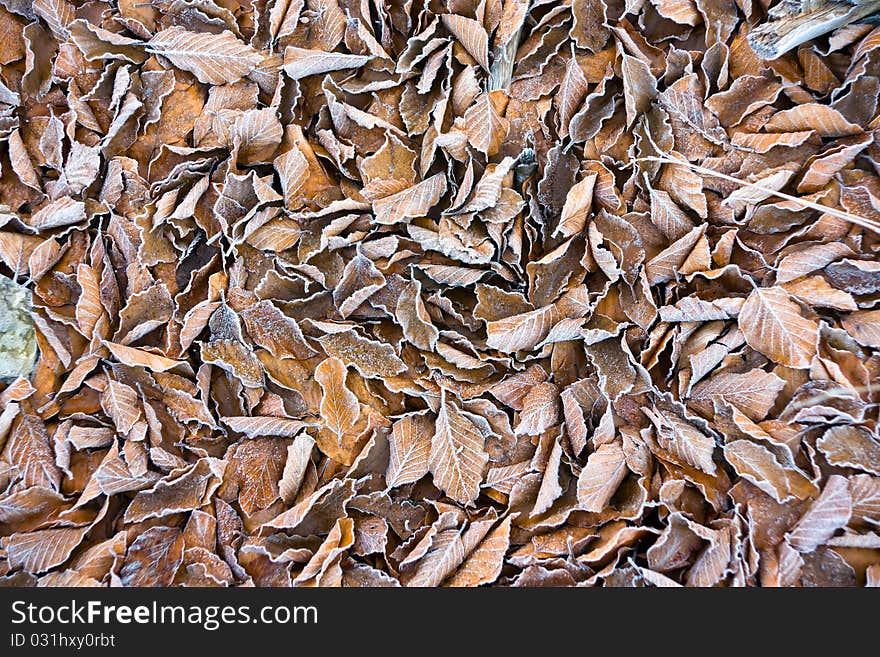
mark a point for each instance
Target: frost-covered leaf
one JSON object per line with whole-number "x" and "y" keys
{"x": 830, "y": 511}
{"x": 484, "y": 125}
{"x": 773, "y": 324}
{"x": 598, "y": 481}
{"x": 410, "y": 446}
{"x": 339, "y": 406}
{"x": 213, "y": 58}
{"x": 458, "y": 456}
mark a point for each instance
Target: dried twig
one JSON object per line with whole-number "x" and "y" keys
{"x": 840, "y": 214}
{"x": 789, "y": 30}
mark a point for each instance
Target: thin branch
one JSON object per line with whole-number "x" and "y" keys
{"x": 840, "y": 214}
{"x": 836, "y": 393}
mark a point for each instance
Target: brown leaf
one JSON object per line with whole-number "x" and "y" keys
{"x": 754, "y": 393}
{"x": 828, "y": 513}
{"x": 212, "y": 58}
{"x": 257, "y": 426}
{"x": 805, "y": 261}
{"x": 61, "y": 212}
{"x": 256, "y": 134}
{"x": 323, "y": 568}
{"x": 815, "y": 291}
{"x": 639, "y": 87}
{"x": 29, "y": 451}
{"x": 298, "y": 454}
{"x": 773, "y": 324}
{"x": 141, "y": 358}
{"x": 758, "y": 465}
{"x": 302, "y": 62}
{"x": 825, "y": 120}
{"x": 522, "y": 332}
{"x": 865, "y": 493}
{"x": 412, "y": 202}
{"x": 339, "y": 407}
{"x": 540, "y": 410}
{"x": 58, "y": 14}
{"x": 293, "y": 171}
{"x": 572, "y": 93}
{"x": 471, "y": 35}
{"x": 120, "y": 402}
{"x": 153, "y": 558}
{"x": 864, "y": 327}
{"x": 360, "y": 280}
{"x": 371, "y": 359}
{"x": 483, "y": 565}
{"x": 551, "y": 488}
{"x": 683, "y": 440}
{"x": 235, "y": 358}
{"x": 458, "y": 456}
{"x": 39, "y": 551}
{"x": 683, "y": 12}
{"x": 415, "y": 322}
{"x": 184, "y": 490}
{"x": 484, "y": 125}
{"x": 410, "y": 446}
{"x": 273, "y": 330}
{"x": 512, "y": 390}
{"x": 256, "y": 467}
{"x": 590, "y": 29}
{"x": 316, "y": 513}
{"x": 578, "y": 204}
{"x": 666, "y": 265}
{"x": 598, "y": 481}
{"x": 852, "y": 447}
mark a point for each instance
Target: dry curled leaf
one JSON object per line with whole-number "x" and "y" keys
{"x": 339, "y": 406}
{"x": 773, "y": 324}
{"x": 484, "y": 125}
{"x": 212, "y": 58}
{"x": 598, "y": 481}
{"x": 410, "y": 450}
{"x": 457, "y": 458}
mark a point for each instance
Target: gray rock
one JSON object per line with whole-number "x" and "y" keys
{"x": 18, "y": 343}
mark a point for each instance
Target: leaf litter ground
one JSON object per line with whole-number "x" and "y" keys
{"x": 501, "y": 293}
